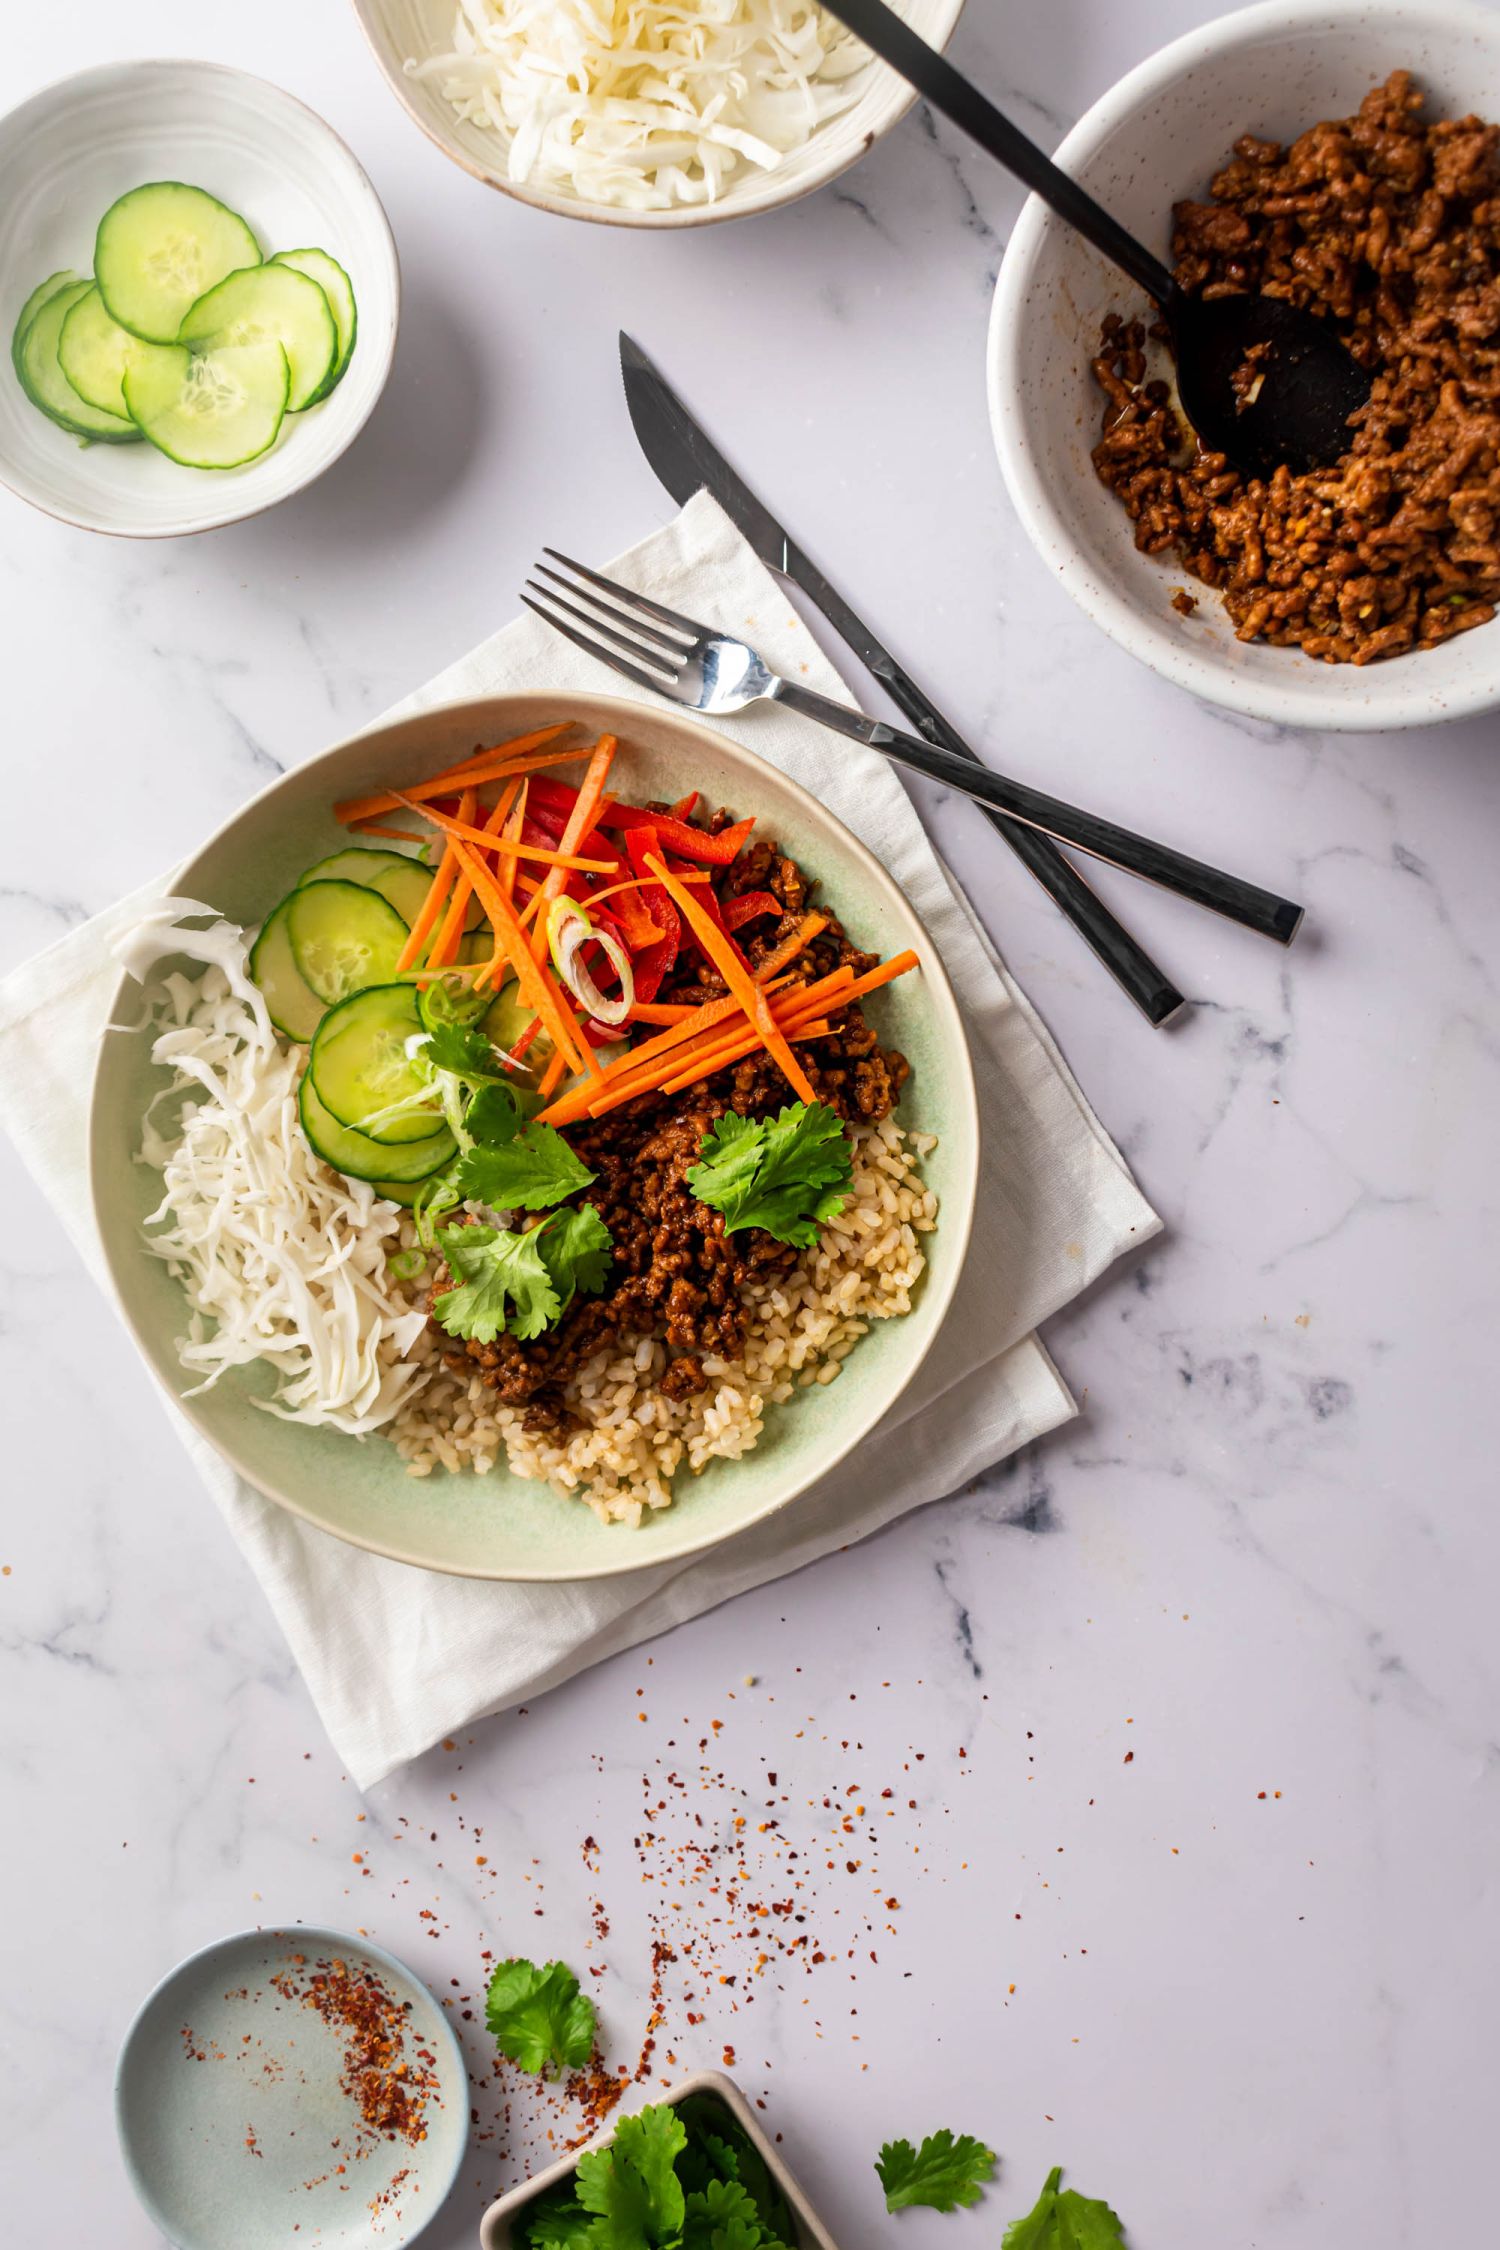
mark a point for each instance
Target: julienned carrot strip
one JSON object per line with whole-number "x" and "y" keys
{"x": 580, "y": 821}
{"x": 555, "y": 862}
{"x": 495, "y": 765}
{"x": 431, "y": 908}
{"x": 552, "y": 1076}
{"x": 536, "y": 985}
{"x": 728, "y": 1038}
{"x": 707, "y": 1066}
{"x": 729, "y": 962}
{"x": 517, "y": 747}
{"x": 781, "y": 956}
{"x": 659, "y": 1011}
{"x": 450, "y": 937}
{"x": 638, "y": 1061}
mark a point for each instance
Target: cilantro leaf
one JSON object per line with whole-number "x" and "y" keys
{"x": 1065, "y": 2220}
{"x": 942, "y": 2173}
{"x": 723, "y": 2217}
{"x": 720, "y": 2148}
{"x": 631, "y": 2186}
{"x": 787, "y": 1174}
{"x": 577, "y": 1251}
{"x": 459, "y": 1048}
{"x": 559, "y": 2225}
{"x": 539, "y": 2017}
{"x": 511, "y": 1166}
{"x": 496, "y": 1273}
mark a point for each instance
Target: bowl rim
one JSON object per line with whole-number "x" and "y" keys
{"x": 619, "y": 713}
{"x": 384, "y": 340}
{"x": 898, "y": 98}
{"x": 456, "y": 2074}
{"x": 1301, "y": 700}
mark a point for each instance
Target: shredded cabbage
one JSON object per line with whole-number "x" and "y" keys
{"x": 281, "y": 1259}
{"x": 646, "y": 103}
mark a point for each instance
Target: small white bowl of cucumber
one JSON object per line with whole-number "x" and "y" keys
{"x": 200, "y": 292}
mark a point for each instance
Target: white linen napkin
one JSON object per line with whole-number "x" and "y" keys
{"x": 397, "y": 1658}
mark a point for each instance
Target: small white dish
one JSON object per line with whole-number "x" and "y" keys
{"x": 65, "y": 155}
{"x": 236, "y": 2124}
{"x": 497, "y": 2227}
{"x": 402, "y": 31}
{"x": 1156, "y": 137}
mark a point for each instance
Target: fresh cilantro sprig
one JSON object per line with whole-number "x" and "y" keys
{"x": 513, "y": 1166}
{"x": 788, "y": 1174}
{"x": 463, "y": 1050}
{"x": 539, "y": 2017}
{"x": 521, "y": 1284}
{"x": 631, "y": 2188}
{"x": 1065, "y": 2220}
{"x": 944, "y": 2172}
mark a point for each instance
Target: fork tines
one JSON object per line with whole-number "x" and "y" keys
{"x": 643, "y": 637}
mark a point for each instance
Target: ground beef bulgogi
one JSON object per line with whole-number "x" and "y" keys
{"x": 1389, "y": 228}
{"x": 676, "y": 1274}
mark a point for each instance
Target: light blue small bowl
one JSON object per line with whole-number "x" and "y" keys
{"x": 232, "y": 2121}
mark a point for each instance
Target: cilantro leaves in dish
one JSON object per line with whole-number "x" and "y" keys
{"x": 1065, "y": 2220}
{"x": 513, "y": 1166}
{"x": 788, "y": 1174}
{"x": 521, "y": 1284}
{"x": 944, "y": 2172}
{"x": 542, "y": 2021}
{"x": 683, "y": 2177}
{"x": 465, "y": 1052}
{"x": 631, "y": 2187}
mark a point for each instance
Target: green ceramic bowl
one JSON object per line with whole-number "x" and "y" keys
{"x": 501, "y": 1526}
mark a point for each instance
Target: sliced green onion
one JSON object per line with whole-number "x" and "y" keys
{"x": 407, "y": 1264}
{"x": 569, "y": 930}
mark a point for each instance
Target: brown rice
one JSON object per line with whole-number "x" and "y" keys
{"x": 634, "y": 1441}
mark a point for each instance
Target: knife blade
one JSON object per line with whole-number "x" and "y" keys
{"x": 686, "y": 460}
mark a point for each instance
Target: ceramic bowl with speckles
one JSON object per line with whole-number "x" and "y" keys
{"x": 402, "y": 33}
{"x": 1153, "y": 139}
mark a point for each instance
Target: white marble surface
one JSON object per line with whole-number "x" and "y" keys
{"x": 1243, "y": 1984}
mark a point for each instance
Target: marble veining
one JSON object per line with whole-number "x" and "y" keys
{"x": 1188, "y": 1715}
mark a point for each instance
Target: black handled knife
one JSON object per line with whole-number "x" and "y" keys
{"x": 686, "y": 459}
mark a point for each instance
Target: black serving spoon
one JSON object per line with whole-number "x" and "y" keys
{"x": 1310, "y": 385}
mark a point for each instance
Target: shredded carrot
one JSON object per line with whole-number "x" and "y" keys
{"x": 450, "y": 937}
{"x": 580, "y": 820}
{"x": 494, "y": 765}
{"x": 556, "y": 862}
{"x": 781, "y": 956}
{"x": 728, "y": 960}
{"x": 727, "y": 1041}
{"x": 432, "y": 905}
{"x": 636, "y": 1062}
{"x": 537, "y": 987}
{"x": 659, "y": 1011}
{"x": 552, "y": 1075}
{"x": 517, "y": 747}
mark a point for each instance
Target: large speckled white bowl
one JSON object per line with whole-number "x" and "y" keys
{"x": 501, "y": 1526}
{"x": 402, "y": 31}
{"x": 1157, "y": 136}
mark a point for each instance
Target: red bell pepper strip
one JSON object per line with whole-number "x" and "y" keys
{"x": 655, "y": 962}
{"x": 686, "y": 806}
{"x": 749, "y": 906}
{"x": 675, "y": 835}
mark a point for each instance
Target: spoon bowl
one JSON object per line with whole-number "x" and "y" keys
{"x": 1263, "y": 381}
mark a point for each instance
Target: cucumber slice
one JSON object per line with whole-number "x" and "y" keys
{"x": 364, "y": 1159}
{"x": 208, "y": 410}
{"x": 360, "y": 1065}
{"x": 45, "y": 384}
{"x": 398, "y": 1191}
{"x": 275, "y": 305}
{"x": 34, "y": 304}
{"x": 403, "y": 882}
{"x": 339, "y": 290}
{"x": 344, "y": 938}
{"x": 506, "y": 1018}
{"x": 160, "y": 248}
{"x": 93, "y": 352}
{"x": 292, "y": 1006}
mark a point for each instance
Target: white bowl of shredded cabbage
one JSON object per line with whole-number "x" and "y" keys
{"x": 646, "y": 113}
